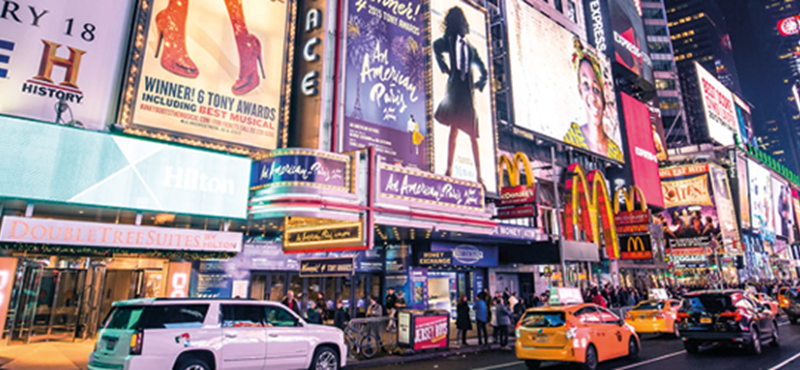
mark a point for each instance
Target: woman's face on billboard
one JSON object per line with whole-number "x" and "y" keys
{"x": 589, "y": 87}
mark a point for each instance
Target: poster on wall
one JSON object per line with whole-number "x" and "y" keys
{"x": 641, "y": 149}
{"x": 213, "y": 70}
{"x": 718, "y": 106}
{"x": 463, "y": 125}
{"x": 630, "y": 40}
{"x": 745, "y": 119}
{"x": 690, "y": 216}
{"x": 60, "y": 61}
{"x": 659, "y": 136}
{"x": 761, "y": 204}
{"x": 562, "y": 88}
{"x": 796, "y": 206}
{"x": 726, "y": 213}
{"x": 782, "y": 206}
{"x": 384, "y": 93}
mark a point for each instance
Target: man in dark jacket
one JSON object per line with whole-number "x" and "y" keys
{"x": 503, "y": 321}
{"x": 292, "y": 303}
{"x": 340, "y": 316}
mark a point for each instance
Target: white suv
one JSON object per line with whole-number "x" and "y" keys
{"x": 202, "y": 334}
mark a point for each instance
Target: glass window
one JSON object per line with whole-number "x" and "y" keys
{"x": 544, "y": 319}
{"x": 649, "y": 305}
{"x": 659, "y": 47}
{"x": 655, "y": 30}
{"x": 277, "y": 316}
{"x": 559, "y": 5}
{"x": 668, "y": 84}
{"x": 607, "y": 317}
{"x": 662, "y": 65}
{"x": 258, "y": 285}
{"x": 711, "y": 303}
{"x": 242, "y": 316}
{"x": 588, "y": 315}
{"x": 125, "y": 317}
{"x": 571, "y": 12}
{"x": 277, "y": 290}
{"x": 174, "y": 316}
{"x": 653, "y": 13}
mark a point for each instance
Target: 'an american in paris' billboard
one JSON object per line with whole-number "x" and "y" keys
{"x": 562, "y": 87}
{"x": 383, "y": 89}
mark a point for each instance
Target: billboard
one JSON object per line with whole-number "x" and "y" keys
{"x": 718, "y": 106}
{"x": 690, "y": 216}
{"x": 723, "y": 199}
{"x": 745, "y": 119}
{"x": 782, "y": 206}
{"x": 60, "y": 61}
{"x": 463, "y": 125}
{"x": 85, "y": 167}
{"x": 659, "y": 136}
{"x": 562, "y": 88}
{"x": 761, "y": 213}
{"x": 630, "y": 40}
{"x": 641, "y": 149}
{"x": 796, "y": 207}
{"x": 744, "y": 191}
{"x": 384, "y": 89}
{"x": 211, "y": 70}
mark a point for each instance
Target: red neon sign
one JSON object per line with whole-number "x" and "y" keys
{"x": 789, "y": 26}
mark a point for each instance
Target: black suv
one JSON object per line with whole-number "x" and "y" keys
{"x": 725, "y": 317}
{"x": 792, "y": 306}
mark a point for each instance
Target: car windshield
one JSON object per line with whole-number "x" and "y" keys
{"x": 124, "y": 318}
{"x": 707, "y": 303}
{"x": 649, "y": 305}
{"x": 793, "y": 294}
{"x": 539, "y": 319}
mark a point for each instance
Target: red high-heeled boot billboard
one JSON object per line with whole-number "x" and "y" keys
{"x": 210, "y": 71}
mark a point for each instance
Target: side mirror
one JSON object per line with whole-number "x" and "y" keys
{"x": 621, "y": 321}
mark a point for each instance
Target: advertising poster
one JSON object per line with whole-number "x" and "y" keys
{"x": 782, "y": 206}
{"x": 690, "y": 217}
{"x": 761, "y": 204}
{"x": 744, "y": 191}
{"x": 60, "y": 61}
{"x": 384, "y": 81}
{"x": 214, "y": 70}
{"x": 431, "y": 332}
{"x": 463, "y": 126}
{"x": 727, "y": 214}
{"x": 630, "y": 40}
{"x": 641, "y": 149}
{"x": 562, "y": 88}
{"x": 719, "y": 110}
{"x": 745, "y": 119}
{"x": 659, "y": 136}
{"x": 796, "y": 206}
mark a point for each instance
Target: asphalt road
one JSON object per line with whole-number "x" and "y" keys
{"x": 657, "y": 353}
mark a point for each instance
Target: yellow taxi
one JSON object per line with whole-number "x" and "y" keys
{"x": 782, "y": 300}
{"x": 654, "y": 317}
{"x": 574, "y": 332}
{"x": 768, "y": 302}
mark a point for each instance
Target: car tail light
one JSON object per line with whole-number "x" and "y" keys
{"x": 572, "y": 331}
{"x": 136, "y": 343}
{"x": 658, "y": 315}
{"x": 682, "y": 315}
{"x": 735, "y": 316}
{"x": 784, "y": 302}
{"x": 516, "y": 329}
{"x": 628, "y": 316}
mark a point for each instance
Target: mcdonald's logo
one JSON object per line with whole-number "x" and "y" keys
{"x": 628, "y": 195}
{"x": 588, "y": 206}
{"x": 635, "y": 244}
{"x": 514, "y": 193}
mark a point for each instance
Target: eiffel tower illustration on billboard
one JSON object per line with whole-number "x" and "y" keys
{"x": 357, "y": 105}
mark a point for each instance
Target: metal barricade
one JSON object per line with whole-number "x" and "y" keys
{"x": 365, "y": 337}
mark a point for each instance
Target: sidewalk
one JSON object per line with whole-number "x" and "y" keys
{"x": 46, "y": 355}
{"x": 455, "y": 350}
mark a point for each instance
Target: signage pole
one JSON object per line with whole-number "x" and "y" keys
{"x": 558, "y": 217}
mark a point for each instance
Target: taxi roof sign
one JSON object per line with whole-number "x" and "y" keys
{"x": 659, "y": 294}
{"x": 565, "y": 296}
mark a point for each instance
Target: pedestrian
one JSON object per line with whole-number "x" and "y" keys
{"x": 322, "y": 306}
{"x": 374, "y": 309}
{"x": 313, "y": 315}
{"x": 598, "y": 299}
{"x": 481, "y": 317}
{"x": 291, "y": 303}
{"x": 493, "y": 320}
{"x": 463, "y": 322}
{"x": 340, "y": 316}
{"x": 391, "y": 308}
{"x": 506, "y": 296}
{"x": 503, "y": 321}
{"x": 512, "y": 300}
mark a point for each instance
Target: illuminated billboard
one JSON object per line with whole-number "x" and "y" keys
{"x": 782, "y": 206}
{"x": 745, "y": 119}
{"x": 463, "y": 128}
{"x": 718, "y": 106}
{"x": 383, "y": 88}
{"x": 210, "y": 71}
{"x": 641, "y": 149}
{"x": 60, "y": 61}
{"x": 761, "y": 204}
{"x": 630, "y": 40}
{"x": 690, "y": 216}
{"x": 561, "y": 87}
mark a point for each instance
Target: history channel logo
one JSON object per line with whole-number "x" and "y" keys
{"x": 42, "y": 84}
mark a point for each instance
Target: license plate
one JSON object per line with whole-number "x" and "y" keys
{"x": 643, "y": 316}
{"x": 705, "y": 320}
{"x": 541, "y": 338}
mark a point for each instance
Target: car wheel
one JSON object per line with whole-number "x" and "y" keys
{"x": 192, "y": 363}
{"x": 691, "y": 347}
{"x": 325, "y": 358}
{"x": 755, "y": 342}
{"x": 775, "y": 336}
{"x": 533, "y": 364}
{"x": 590, "y": 362}
{"x": 633, "y": 349}
{"x": 676, "y": 330}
